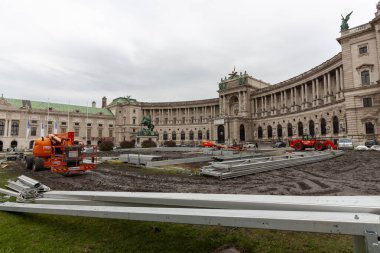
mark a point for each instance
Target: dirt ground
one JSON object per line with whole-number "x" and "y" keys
{"x": 354, "y": 173}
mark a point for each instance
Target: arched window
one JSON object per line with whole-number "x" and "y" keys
{"x": 335, "y": 125}
{"x": 260, "y": 133}
{"x": 14, "y": 144}
{"x": 300, "y": 129}
{"x": 290, "y": 130}
{"x": 208, "y": 134}
{"x": 323, "y": 127}
{"x": 191, "y": 135}
{"x": 365, "y": 77}
{"x": 200, "y": 135}
{"x": 174, "y": 136}
{"x": 279, "y": 131}
{"x": 165, "y": 136}
{"x": 270, "y": 133}
{"x": 311, "y": 128}
{"x": 183, "y": 135}
{"x": 369, "y": 128}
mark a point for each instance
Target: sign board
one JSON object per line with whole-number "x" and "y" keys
{"x": 219, "y": 122}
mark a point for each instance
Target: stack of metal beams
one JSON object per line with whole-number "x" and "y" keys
{"x": 24, "y": 188}
{"x": 353, "y": 215}
{"x": 237, "y": 168}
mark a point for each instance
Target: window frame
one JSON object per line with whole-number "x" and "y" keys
{"x": 367, "y": 102}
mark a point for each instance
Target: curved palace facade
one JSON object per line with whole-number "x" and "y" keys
{"x": 340, "y": 97}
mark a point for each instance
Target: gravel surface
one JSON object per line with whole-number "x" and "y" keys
{"x": 354, "y": 173}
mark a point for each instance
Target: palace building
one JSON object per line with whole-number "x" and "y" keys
{"x": 338, "y": 98}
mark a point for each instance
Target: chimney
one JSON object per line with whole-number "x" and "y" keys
{"x": 104, "y": 102}
{"x": 93, "y": 104}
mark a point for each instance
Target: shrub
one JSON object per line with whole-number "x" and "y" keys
{"x": 127, "y": 144}
{"x": 148, "y": 144}
{"x": 170, "y": 144}
{"x": 106, "y": 146}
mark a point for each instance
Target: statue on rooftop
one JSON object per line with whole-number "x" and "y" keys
{"x": 233, "y": 74}
{"x": 344, "y": 25}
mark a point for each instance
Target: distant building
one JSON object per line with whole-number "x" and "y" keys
{"x": 340, "y": 97}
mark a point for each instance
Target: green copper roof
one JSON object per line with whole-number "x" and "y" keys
{"x": 123, "y": 100}
{"x": 37, "y": 105}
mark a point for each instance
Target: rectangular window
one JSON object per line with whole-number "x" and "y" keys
{"x": 88, "y": 124}
{"x": 166, "y": 121}
{"x": 2, "y": 127}
{"x": 33, "y": 131}
{"x": 174, "y": 120}
{"x": 63, "y": 123}
{"x": 50, "y": 129}
{"x": 110, "y": 133}
{"x": 88, "y": 133}
{"x": 34, "y": 121}
{"x": 365, "y": 77}
{"x": 183, "y": 120}
{"x": 110, "y": 125}
{"x": 15, "y": 127}
{"x": 63, "y": 129}
{"x": 134, "y": 121}
{"x": 76, "y": 132}
{"x": 367, "y": 102}
{"x": 100, "y": 133}
{"x": 363, "y": 50}
{"x": 100, "y": 125}
{"x": 76, "y": 123}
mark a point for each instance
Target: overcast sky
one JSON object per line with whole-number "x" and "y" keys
{"x": 166, "y": 50}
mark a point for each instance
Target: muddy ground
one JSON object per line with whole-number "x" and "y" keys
{"x": 354, "y": 173}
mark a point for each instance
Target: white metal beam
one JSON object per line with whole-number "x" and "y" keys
{"x": 321, "y": 222}
{"x": 361, "y": 204}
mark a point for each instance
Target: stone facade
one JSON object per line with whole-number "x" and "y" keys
{"x": 338, "y": 98}
{"x": 22, "y": 121}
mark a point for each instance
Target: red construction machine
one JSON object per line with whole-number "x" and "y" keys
{"x": 61, "y": 154}
{"x": 310, "y": 142}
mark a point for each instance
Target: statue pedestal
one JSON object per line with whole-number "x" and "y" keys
{"x": 141, "y": 138}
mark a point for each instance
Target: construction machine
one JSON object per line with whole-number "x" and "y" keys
{"x": 311, "y": 142}
{"x": 61, "y": 154}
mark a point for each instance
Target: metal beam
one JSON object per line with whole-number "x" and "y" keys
{"x": 359, "y": 204}
{"x": 320, "y": 222}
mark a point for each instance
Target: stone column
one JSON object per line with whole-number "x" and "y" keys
{"x": 255, "y": 103}
{"x": 313, "y": 92}
{"x": 337, "y": 84}
{"x": 225, "y": 105}
{"x": 306, "y": 93}
{"x": 302, "y": 95}
{"x": 329, "y": 90}
{"x": 317, "y": 90}
{"x": 291, "y": 99}
{"x": 341, "y": 79}
{"x": 275, "y": 102}
{"x": 324, "y": 89}
{"x": 341, "y": 87}
{"x": 265, "y": 103}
